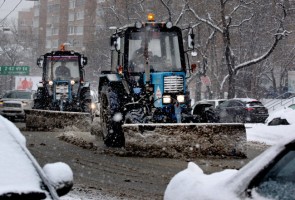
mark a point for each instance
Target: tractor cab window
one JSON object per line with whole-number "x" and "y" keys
{"x": 160, "y": 50}
{"x": 63, "y": 70}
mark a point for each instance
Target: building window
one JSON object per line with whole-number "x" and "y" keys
{"x": 55, "y": 43}
{"x": 36, "y": 12}
{"x": 55, "y": 31}
{"x": 53, "y": 8}
{"x": 71, "y": 16}
{"x": 48, "y": 31}
{"x": 48, "y": 44}
{"x": 72, "y": 4}
{"x": 79, "y": 30}
{"x": 52, "y": 20}
{"x": 71, "y": 30}
{"x": 80, "y": 15}
{"x": 80, "y": 3}
{"x": 35, "y": 23}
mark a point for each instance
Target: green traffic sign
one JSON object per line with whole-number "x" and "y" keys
{"x": 14, "y": 70}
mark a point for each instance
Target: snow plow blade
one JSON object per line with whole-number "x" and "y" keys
{"x": 190, "y": 140}
{"x": 49, "y": 120}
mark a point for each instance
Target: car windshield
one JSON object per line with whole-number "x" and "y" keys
{"x": 279, "y": 182}
{"x": 17, "y": 95}
{"x": 254, "y": 103}
{"x": 159, "y": 49}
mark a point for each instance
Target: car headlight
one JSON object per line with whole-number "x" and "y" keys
{"x": 166, "y": 99}
{"x": 180, "y": 98}
{"x": 50, "y": 83}
{"x": 1, "y": 103}
{"x": 72, "y": 82}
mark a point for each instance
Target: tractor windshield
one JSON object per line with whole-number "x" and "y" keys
{"x": 62, "y": 68}
{"x": 160, "y": 50}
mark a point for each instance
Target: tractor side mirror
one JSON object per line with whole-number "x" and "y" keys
{"x": 84, "y": 61}
{"x": 40, "y": 62}
{"x": 118, "y": 43}
{"x": 115, "y": 42}
{"x": 191, "y": 41}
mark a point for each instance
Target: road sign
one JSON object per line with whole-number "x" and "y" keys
{"x": 14, "y": 70}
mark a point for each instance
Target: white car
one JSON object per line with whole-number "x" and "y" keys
{"x": 13, "y": 103}
{"x": 270, "y": 175}
{"x": 213, "y": 102}
{"x": 21, "y": 177}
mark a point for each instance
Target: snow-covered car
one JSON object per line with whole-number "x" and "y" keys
{"x": 13, "y": 103}
{"x": 21, "y": 177}
{"x": 271, "y": 175}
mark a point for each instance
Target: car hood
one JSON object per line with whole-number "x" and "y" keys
{"x": 25, "y": 100}
{"x": 18, "y": 174}
{"x": 192, "y": 183}
{"x": 12, "y": 101}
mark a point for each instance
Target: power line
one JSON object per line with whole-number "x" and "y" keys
{"x": 2, "y": 3}
{"x": 10, "y": 11}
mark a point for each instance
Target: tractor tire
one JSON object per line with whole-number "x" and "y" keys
{"x": 85, "y": 100}
{"x": 40, "y": 102}
{"x": 111, "y": 118}
{"x": 135, "y": 116}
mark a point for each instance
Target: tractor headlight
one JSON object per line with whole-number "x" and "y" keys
{"x": 169, "y": 24}
{"x": 72, "y": 82}
{"x": 92, "y": 106}
{"x": 138, "y": 24}
{"x": 166, "y": 99}
{"x": 50, "y": 83}
{"x": 180, "y": 98}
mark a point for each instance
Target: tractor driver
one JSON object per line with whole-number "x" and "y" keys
{"x": 140, "y": 57}
{"x": 63, "y": 71}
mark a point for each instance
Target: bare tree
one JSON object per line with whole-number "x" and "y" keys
{"x": 224, "y": 26}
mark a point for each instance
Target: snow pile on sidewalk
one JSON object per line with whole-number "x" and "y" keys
{"x": 272, "y": 134}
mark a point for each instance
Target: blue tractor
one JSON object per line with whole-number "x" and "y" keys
{"x": 144, "y": 99}
{"x": 146, "y": 82}
{"x": 63, "y": 91}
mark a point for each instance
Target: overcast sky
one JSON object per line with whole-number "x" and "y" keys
{"x": 6, "y": 6}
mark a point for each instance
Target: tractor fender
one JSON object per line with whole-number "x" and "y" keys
{"x": 106, "y": 79}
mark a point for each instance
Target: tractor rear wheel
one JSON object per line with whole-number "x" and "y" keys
{"x": 111, "y": 117}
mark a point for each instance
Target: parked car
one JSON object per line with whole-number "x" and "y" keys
{"x": 292, "y": 106}
{"x": 242, "y": 110}
{"x": 21, "y": 177}
{"x": 13, "y": 103}
{"x": 213, "y": 102}
{"x": 270, "y": 175}
{"x": 94, "y": 107}
{"x": 204, "y": 112}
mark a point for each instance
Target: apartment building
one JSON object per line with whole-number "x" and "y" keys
{"x": 65, "y": 21}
